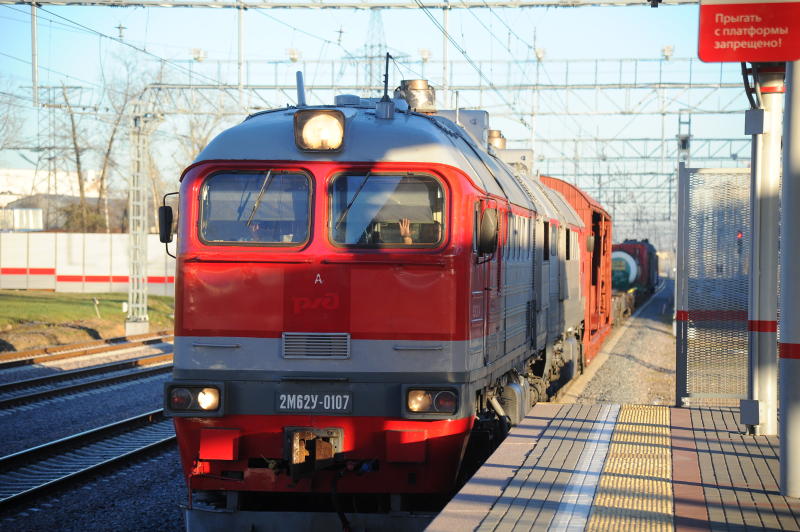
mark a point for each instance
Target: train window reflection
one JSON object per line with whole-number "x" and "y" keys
{"x": 379, "y": 210}
{"x": 255, "y": 208}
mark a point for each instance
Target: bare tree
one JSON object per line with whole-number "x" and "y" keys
{"x": 119, "y": 93}
{"x": 10, "y": 116}
{"x": 194, "y": 134}
{"x": 77, "y": 152}
{"x": 191, "y": 133}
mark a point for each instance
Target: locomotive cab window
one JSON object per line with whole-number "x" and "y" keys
{"x": 568, "y": 243}
{"x": 264, "y": 208}
{"x": 554, "y": 241}
{"x": 546, "y": 245}
{"x": 381, "y": 210}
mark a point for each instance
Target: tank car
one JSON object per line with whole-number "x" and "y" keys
{"x": 635, "y": 266}
{"x": 367, "y": 295}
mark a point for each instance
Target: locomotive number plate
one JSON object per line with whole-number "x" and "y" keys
{"x": 324, "y": 403}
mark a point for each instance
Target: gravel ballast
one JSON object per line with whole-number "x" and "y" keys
{"x": 640, "y": 368}
{"x": 145, "y": 496}
{"x": 33, "y": 424}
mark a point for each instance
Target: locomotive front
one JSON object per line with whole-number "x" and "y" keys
{"x": 321, "y": 337}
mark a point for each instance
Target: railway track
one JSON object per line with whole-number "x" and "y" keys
{"x": 29, "y": 473}
{"x": 40, "y": 388}
{"x": 61, "y": 352}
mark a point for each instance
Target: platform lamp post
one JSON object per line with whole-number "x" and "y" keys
{"x": 790, "y": 290}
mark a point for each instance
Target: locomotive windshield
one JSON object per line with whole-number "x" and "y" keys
{"x": 255, "y": 208}
{"x": 379, "y": 210}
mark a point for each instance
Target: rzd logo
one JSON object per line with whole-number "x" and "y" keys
{"x": 329, "y": 301}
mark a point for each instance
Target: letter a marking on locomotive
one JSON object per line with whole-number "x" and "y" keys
{"x": 318, "y": 279}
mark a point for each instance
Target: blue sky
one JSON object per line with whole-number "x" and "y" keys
{"x": 488, "y": 36}
{"x": 567, "y": 33}
{"x": 329, "y": 35}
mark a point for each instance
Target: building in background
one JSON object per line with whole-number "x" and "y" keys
{"x": 21, "y": 219}
{"x": 32, "y": 201}
{"x": 17, "y": 183}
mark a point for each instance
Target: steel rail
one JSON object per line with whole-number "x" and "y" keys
{"x": 46, "y": 354}
{"x": 46, "y": 380}
{"x": 39, "y": 395}
{"x": 61, "y": 376}
{"x": 31, "y": 472}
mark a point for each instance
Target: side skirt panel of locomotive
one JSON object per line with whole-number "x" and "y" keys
{"x": 366, "y": 298}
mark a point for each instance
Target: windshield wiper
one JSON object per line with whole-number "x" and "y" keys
{"x": 352, "y": 201}
{"x": 264, "y": 186}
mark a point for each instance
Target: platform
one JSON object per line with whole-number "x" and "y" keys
{"x": 625, "y": 467}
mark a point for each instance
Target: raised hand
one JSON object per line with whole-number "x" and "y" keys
{"x": 405, "y": 230}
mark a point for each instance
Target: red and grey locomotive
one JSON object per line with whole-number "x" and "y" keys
{"x": 366, "y": 293}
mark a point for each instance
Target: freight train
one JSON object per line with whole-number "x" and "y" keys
{"x": 634, "y": 267}
{"x": 368, "y": 294}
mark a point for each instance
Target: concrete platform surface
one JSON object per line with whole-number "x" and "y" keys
{"x": 625, "y": 467}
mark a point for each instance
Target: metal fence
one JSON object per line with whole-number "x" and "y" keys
{"x": 712, "y": 285}
{"x": 77, "y": 262}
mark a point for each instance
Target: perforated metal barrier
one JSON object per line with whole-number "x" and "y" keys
{"x": 712, "y": 285}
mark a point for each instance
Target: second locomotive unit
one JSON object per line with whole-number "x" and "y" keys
{"x": 366, "y": 294}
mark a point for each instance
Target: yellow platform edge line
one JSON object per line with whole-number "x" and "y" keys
{"x": 634, "y": 491}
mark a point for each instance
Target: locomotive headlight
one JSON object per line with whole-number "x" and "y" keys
{"x": 194, "y": 399}
{"x": 180, "y": 398}
{"x": 432, "y": 401}
{"x": 419, "y": 400}
{"x": 319, "y": 129}
{"x": 190, "y": 398}
{"x": 208, "y": 398}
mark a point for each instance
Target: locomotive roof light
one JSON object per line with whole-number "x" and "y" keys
{"x": 496, "y": 139}
{"x": 319, "y": 129}
{"x": 421, "y": 97}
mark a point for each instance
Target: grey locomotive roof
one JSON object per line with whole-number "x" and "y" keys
{"x": 407, "y": 137}
{"x": 548, "y": 208}
{"x": 568, "y": 214}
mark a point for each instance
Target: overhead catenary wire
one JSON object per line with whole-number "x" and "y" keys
{"x": 347, "y": 52}
{"x": 471, "y": 62}
{"x": 49, "y": 69}
{"x": 492, "y": 34}
{"x": 223, "y": 87}
{"x": 503, "y": 22}
{"x": 63, "y": 26}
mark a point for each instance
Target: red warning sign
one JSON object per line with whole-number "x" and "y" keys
{"x": 748, "y": 30}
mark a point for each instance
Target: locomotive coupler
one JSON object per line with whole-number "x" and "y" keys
{"x": 311, "y": 450}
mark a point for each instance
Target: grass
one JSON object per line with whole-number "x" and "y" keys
{"x": 34, "y": 319}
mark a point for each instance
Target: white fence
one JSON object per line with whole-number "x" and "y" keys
{"x": 77, "y": 262}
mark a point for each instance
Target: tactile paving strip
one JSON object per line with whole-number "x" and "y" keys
{"x": 635, "y": 488}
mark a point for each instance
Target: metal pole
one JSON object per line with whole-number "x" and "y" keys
{"x": 445, "y": 98}
{"x": 137, "y": 320}
{"x": 790, "y": 291}
{"x": 681, "y": 297}
{"x": 761, "y": 417}
{"x": 240, "y": 13}
{"x": 34, "y": 56}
